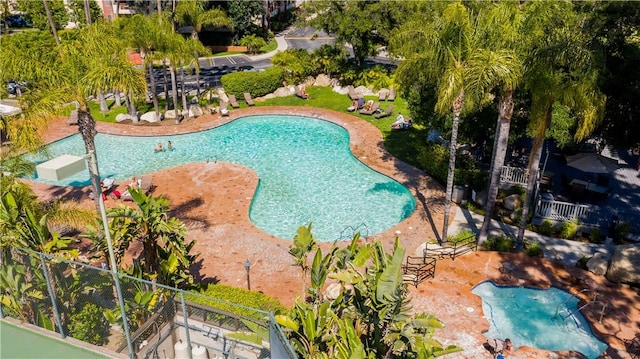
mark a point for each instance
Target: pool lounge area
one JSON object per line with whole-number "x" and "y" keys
{"x": 217, "y": 218}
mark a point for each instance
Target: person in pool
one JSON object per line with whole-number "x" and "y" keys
{"x": 159, "y": 147}
{"x": 169, "y": 146}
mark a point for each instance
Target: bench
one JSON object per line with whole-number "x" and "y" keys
{"x": 417, "y": 269}
{"x": 451, "y": 249}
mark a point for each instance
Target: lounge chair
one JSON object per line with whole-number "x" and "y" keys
{"x": 224, "y": 111}
{"x": 392, "y": 94}
{"x": 386, "y": 113}
{"x": 402, "y": 126}
{"x": 247, "y": 97}
{"x": 300, "y": 94}
{"x": 353, "y": 95}
{"x": 382, "y": 95}
{"x": 233, "y": 102}
{"x": 145, "y": 184}
{"x": 374, "y": 108}
{"x": 108, "y": 184}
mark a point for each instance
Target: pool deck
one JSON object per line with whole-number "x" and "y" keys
{"x": 213, "y": 200}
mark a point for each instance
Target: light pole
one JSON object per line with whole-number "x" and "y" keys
{"x": 65, "y": 166}
{"x": 247, "y": 267}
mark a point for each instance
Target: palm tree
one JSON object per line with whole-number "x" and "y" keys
{"x": 561, "y": 69}
{"x": 52, "y": 24}
{"x": 193, "y": 12}
{"x": 88, "y": 61}
{"x": 448, "y": 52}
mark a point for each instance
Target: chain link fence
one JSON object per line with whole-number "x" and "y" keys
{"x": 150, "y": 321}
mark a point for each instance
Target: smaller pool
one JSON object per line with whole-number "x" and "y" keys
{"x": 528, "y": 317}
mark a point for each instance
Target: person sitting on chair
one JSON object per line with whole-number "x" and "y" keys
{"x": 399, "y": 123}
{"x": 303, "y": 92}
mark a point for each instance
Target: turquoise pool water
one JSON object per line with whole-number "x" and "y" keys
{"x": 306, "y": 169}
{"x": 528, "y": 317}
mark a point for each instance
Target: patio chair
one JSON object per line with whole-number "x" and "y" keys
{"x": 374, "y": 108}
{"x": 247, "y": 97}
{"x": 300, "y": 94}
{"x": 353, "y": 95}
{"x": 386, "y": 113}
{"x": 233, "y": 102}
{"x": 392, "y": 94}
{"x": 145, "y": 185}
{"x": 382, "y": 95}
{"x": 224, "y": 111}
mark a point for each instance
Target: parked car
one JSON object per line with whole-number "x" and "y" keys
{"x": 17, "y": 21}
{"x": 13, "y": 86}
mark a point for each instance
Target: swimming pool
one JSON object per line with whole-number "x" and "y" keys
{"x": 528, "y": 317}
{"x": 306, "y": 169}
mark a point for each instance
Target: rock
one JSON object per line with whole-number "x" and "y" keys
{"x": 171, "y": 114}
{"x": 341, "y": 90}
{"x": 73, "y": 118}
{"x": 195, "y": 111}
{"x": 323, "y": 80}
{"x": 123, "y": 117}
{"x": 150, "y": 117}
{"x": 598, "y": 264}
{"x": 308, "y": 82}
{"x": 283, "y": 92}
{"x": 625, "y": 264}
{"x": 364, "y": 91}
{"x": 268, "y": 96}
{"x": 333, "y": 291}
{"x": 512, "y": 202}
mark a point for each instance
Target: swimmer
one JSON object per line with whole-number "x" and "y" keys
{"x": 159, "y": 147}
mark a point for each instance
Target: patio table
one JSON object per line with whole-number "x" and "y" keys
{"x": 590, "y": 186}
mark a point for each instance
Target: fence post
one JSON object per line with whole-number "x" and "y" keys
{"x": 185, "y": 316}
{"x": 56, "y": 314}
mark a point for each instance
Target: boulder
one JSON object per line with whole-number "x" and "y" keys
{"x": 625, "y": 264}
{"x": 341, "y": 90}
{"x": 123, "y": 117}
{"x": 512, "y": 202}
{"x": 364, "y": 91}
{"x": 171, "y": 114}
{"x": 323, "y": 80}
{"x": 195, "y": 111}
{"x": 150, "y": 117}
{"x": 308, "y": 82}
{"x": 283, "y": 92}
{"x": 269, "y": 96}
{"x": 598, "y": 264}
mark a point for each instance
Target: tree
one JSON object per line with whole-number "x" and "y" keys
{"x": 35, "y": 10}
{"x": 194, "y": 13}
{"x": 243, "y": 13}
{"x": 447, "y": 51}
{"x": 368, "y": 316}
{"x": 561, "y": 69}
{"x": 77, "y": 11}
{"x": 364, "y": 25}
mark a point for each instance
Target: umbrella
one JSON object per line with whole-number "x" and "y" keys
{"x": 592, "y": 163}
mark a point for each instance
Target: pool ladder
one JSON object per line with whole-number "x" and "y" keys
{"x": 593, "y": 301}
{"x": 351, "y": 231}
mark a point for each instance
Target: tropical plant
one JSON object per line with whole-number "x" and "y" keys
{"x": 89, "y": 325}
{"x": 195, "y": 14}
{"x": 165, "y": 255}
{"x": 253, "y": 43}
{"x": 20, "y": 296}
{"x": 296, "y": 64}
{"x": 368, "y": 316}
{"x": 303, "y": 244}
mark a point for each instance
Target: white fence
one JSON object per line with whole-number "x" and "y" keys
{"x": 515, "y": 175}
{"x": 594, "y": 216}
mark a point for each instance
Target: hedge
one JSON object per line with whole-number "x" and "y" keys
{"x": 239, "y": 296}
{"x": 255, "y": 83}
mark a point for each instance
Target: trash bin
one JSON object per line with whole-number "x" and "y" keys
{"x": 458, "y": 194}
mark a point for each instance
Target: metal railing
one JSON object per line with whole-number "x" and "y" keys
{"x": 75, "y": 299}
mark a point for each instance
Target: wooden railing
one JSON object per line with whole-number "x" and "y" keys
{"x": 515, "y": 175}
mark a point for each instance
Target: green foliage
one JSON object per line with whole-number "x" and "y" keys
{"x": 533, "y": 249}
{"x": 239, "y": 297}
{"x": 371, "y": 315}
{"x": 500, "y": 244}
{"x": 546, "y": 228}
{"x": 330, "y": 59}
{"x": 253, "y": 43}
{"x": 256, "y": 83}
{"x": 35, "y": 12}
{"x": 434, "y": 159}
{"x": 242, "y": 13}
{"x": 461, "y": 236}
{"x": 77, "y": 14}
{"x": 594, "y": 236}
{"x": 569, "y": 229}
{"x": 622, "y": 231}
{"x": 89, "y": 325}
{"x": 296, "y": 64}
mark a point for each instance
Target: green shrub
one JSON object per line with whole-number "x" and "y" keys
{"x": 434, "y": 159}
{"x": 500, "y": 244}
{"x": 461, "y": 236}
{"x": 546, "y": 228}
{"x": 238, "y": 296}
{"x": 89, "y": 325}
{"x": 330, "y": 59}
{"x": 255, "y": 83}
{"x": 568, "y": 230}
{"x": 622, "y": 231}
{"x": 533, "y": 249}
{"x": 253, "y": 43}
{"x": 296, "y": 65}
{"x": 594, "y": 235}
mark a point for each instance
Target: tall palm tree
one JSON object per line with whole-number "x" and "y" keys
{"x": 52, "y": 23}
{"x": 447, "y": 52}
{"x": 194, "y": 13}
{"x": 88, "y": 61}
{"x": 561, "y": 69}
